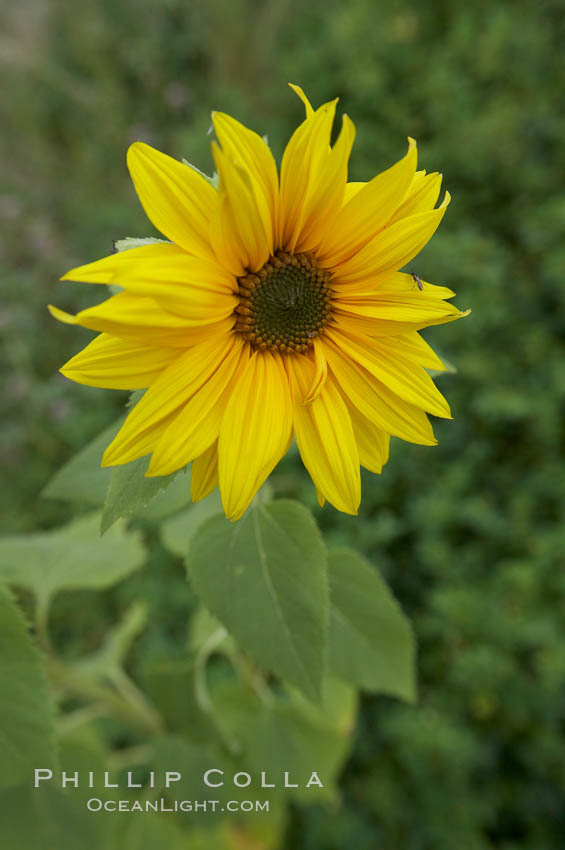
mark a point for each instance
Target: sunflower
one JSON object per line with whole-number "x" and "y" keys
{"x": 272, "y": 309}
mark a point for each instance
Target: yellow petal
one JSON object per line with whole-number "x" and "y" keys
{"x": 368, "y": 210}
{"x": 412, "y": 347}
{"x": 303, "y": 162}
{"x": 118, "y": 364}
{"x": 138, "y": 318}
{"x": 351, "y": 190}
{"x": 319, "y": 375}
{"x": 176, "y": 198}
{"x": 249, "y": 151}
{"x": 166, "y": 395}
{"x": 408, "y": 306}
{"x": 372, "y": 443}
{"x": 376, "y": 402}
{"x": 308, "y": 106}
{"x": 243, "y": 222}
{"x": 421, "y": 196}
{"x": 198, "y": 290}
{"x": 104, "y": 270}
{"x": 325, "y": 439}
{"x": 226, "y": 242}
{"x": 325, "y": 196}
{"x": 402, "y": 377}
{"x": 255, "y": 431}
{"x": 62, "y": 316}
{"x": 196, "y": 426}
{"x": 145, "y": 442}
{"x": 204, "y": 473}
{"x": 351, "y": 322}
{"x": 402, "y": 282}
{"x": 392, "y": 248}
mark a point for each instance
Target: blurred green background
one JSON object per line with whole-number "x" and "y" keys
{"x": 470, "y": 533}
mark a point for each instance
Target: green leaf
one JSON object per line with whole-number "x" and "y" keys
{"x": 291, "y": 735}
{"x": 264, "y": 577}
{"x": 46, "y": 818}
{"x": 130, "y": 491}
{"x": 150, "y": 830}
{"x": 81, "y": 748}
{"x": 204, "y": 629}
{"x": 111, "y": 655}
{"x": 171, "y": 685}
{"x": 177, "y": 532}
{"x": 124, "y": 489}
{"x": 26, "y": 711}
{"x": 371, "y": 642}
{"x": 69, "y": 558}
{"x": 174, "y": 753}
{"x": 82, "y": 479}
{"x": 191, "y": 760}
{"x": 168, "y": 502}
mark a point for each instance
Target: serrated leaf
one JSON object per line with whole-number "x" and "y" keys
{"x": 82, "y": 479}
{"x": 177, "y": 532}
{"x": 370, "y": 640}
{"x": 264, "y": 577}
{"x": 26, "y": 710}
{"x": 69, "y": 558}
{"x": 168, "y": 502}
{"x": 130, "y": 491}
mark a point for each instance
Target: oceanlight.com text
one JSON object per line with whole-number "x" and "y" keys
{"x": 95, "y": 804}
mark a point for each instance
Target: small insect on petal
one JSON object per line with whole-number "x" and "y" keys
{"x": 417, "y": 281}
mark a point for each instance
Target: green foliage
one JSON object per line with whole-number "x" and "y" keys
{"x": 177, "y": 532}
{"x": 110, "y": 657}
{"x": 291, "y": 735}
{"x": 130, "y": 491}
{"x": 212, "y": 706}
{"x": 47, "y": 819}
{"x": 73, "y": 557}
{"x": 82, "y": 479}
{"x": 151, "y": 831}
{"x": 272, "y": 563}
{"x": 371, "y": 641}
{"x": 172, "y": 685}
{"x": 122, "y": 491}
{"x": 26, "y": 713}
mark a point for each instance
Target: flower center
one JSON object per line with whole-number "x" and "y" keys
{"x": 285, "y": 305}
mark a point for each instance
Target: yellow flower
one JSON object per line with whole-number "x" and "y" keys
{"x": 275, "y": 310}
